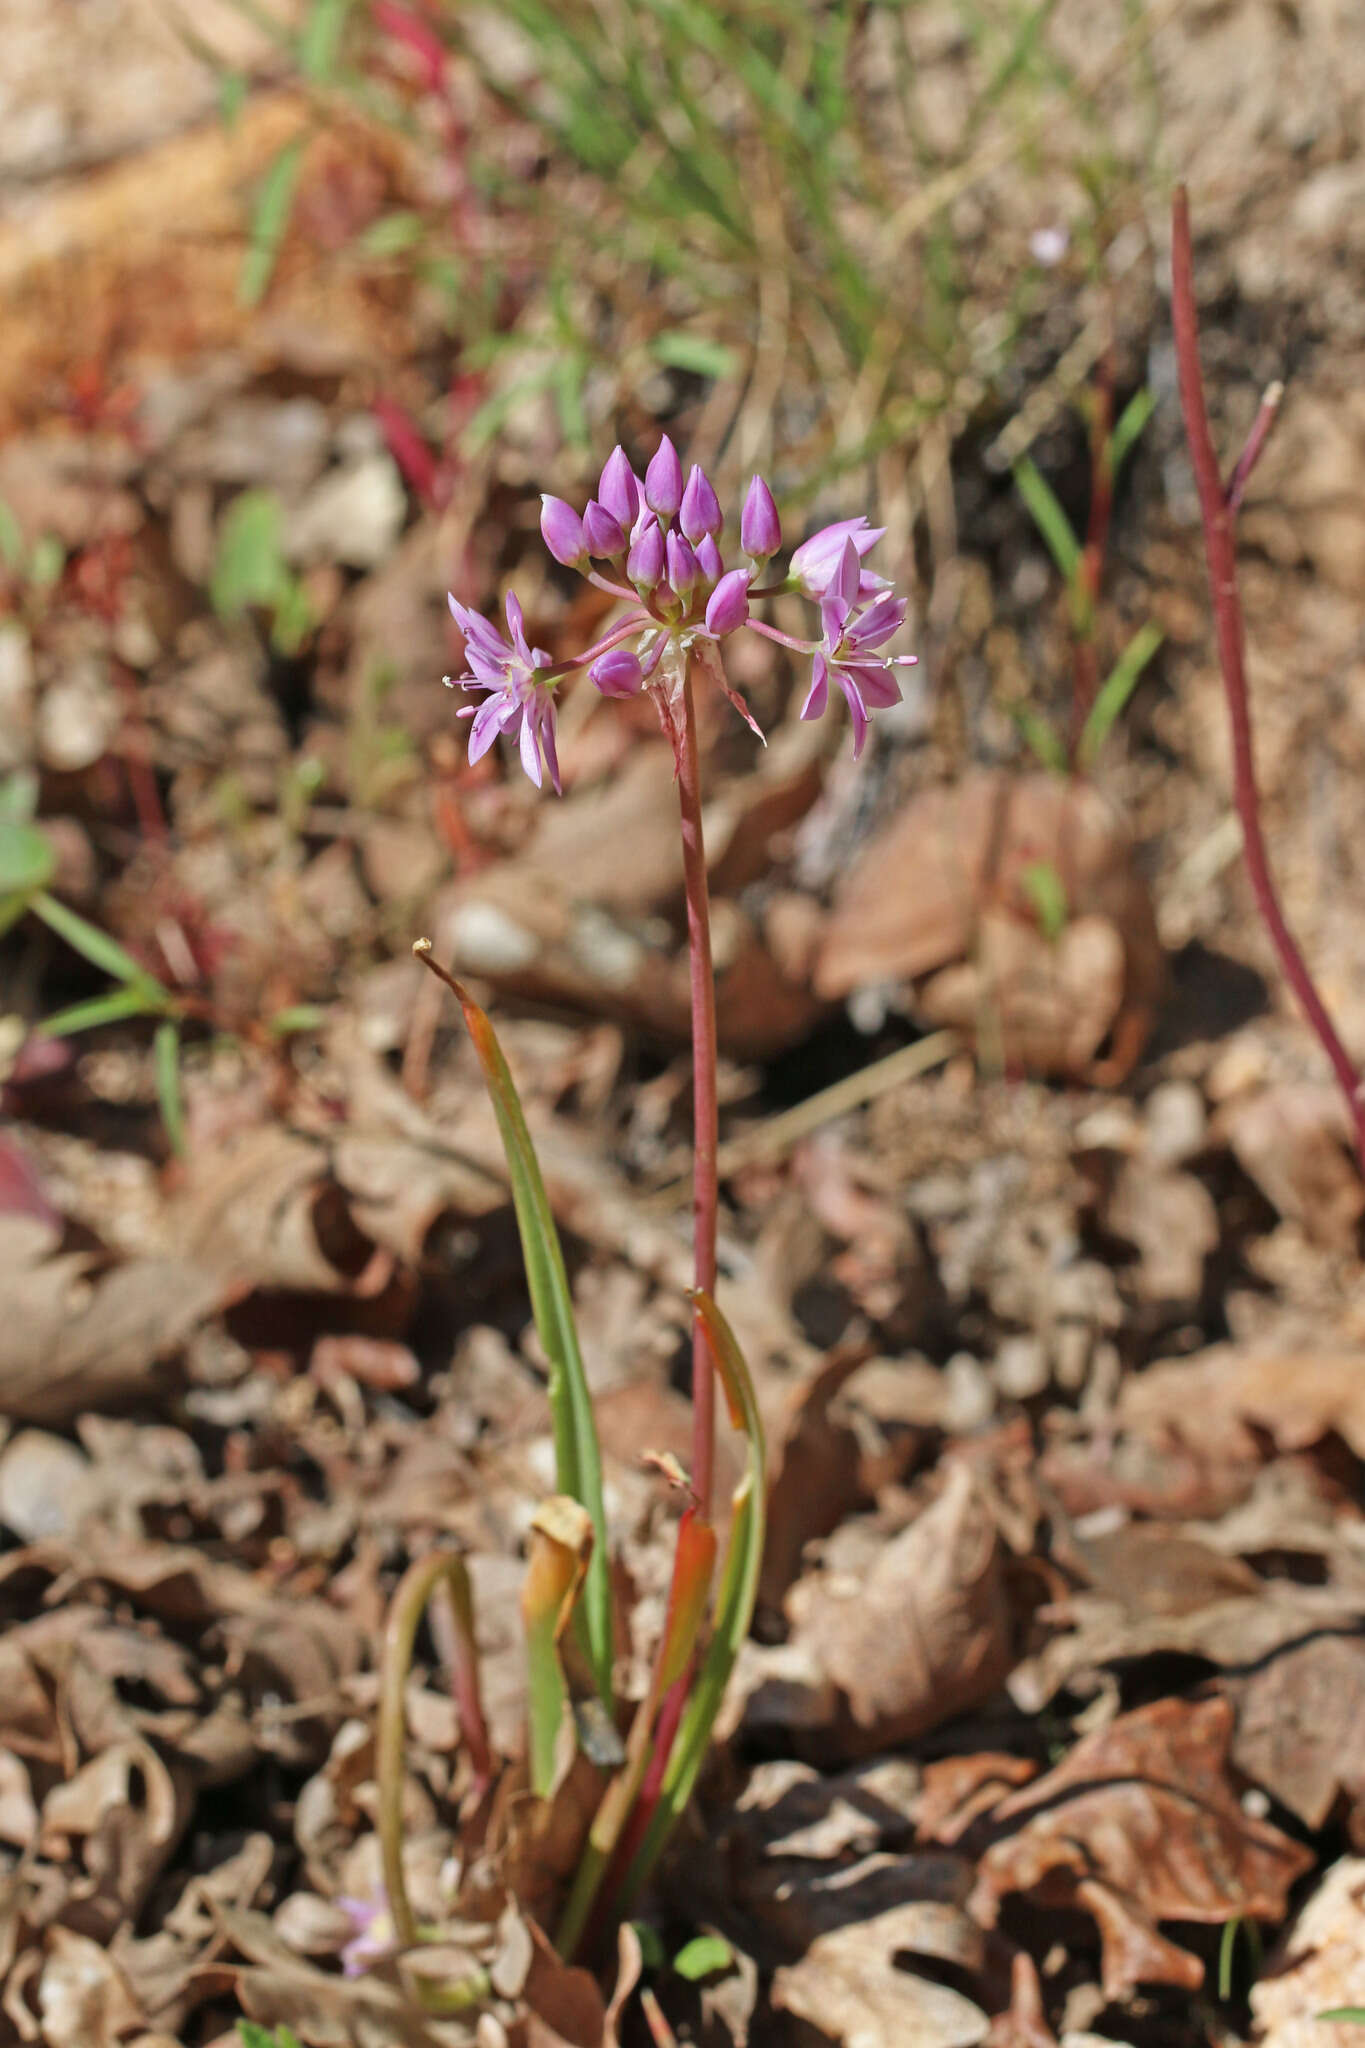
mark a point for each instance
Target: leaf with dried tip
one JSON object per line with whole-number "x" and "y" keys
{"x": 578, "y": 1456}
{"x": 734, "y": 1601}
{"x": 561, "y": 1548}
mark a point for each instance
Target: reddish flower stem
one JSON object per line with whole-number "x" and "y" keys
{"x": 1216, "y": 509}
{"x": 705, "y": 1183}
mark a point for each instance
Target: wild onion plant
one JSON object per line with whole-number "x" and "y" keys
{"x": 655, "y": 545}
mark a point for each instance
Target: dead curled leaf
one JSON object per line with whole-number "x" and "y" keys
{"x": 969, "y": 917}
{"x": 851, "y": 1985}
{"x": 925, "y": 1634}
{"x": 1322, "y": 1968}
{"x": 1140, "y": 1824}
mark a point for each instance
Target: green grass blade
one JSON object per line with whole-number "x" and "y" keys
{"x": 734, "y": 1600}
{"x": 1048, "y": 515}
{"x": 92, "y": 944}
{"x": 1040, "y": 737}
{"x": 166, "y": 1051}
{"x": 28, "y": 859}
{"x": 320, "y": 39}
{"x": 269, "y": 219}
{"x": 114, "y": 1008}
{"x": 1118, "y": 687}
{"x": 578, "y": 1456}
{"x": 1132, "y": 420}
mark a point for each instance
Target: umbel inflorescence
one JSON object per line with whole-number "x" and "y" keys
{"x": 655, "y": 543}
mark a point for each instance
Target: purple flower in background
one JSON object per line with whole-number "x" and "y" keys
{"x": 848, "y": 649}
{"x": 375, "y": 1935}
{"x": 519, "y": 705}
{"x": 817, "y": 559}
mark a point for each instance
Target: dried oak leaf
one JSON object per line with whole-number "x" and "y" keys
{"x": 1294, "y": 1140}
{"x": 924, "y": 1634}
{"x": 82, "y": 1995}
{"x": 1322, "y": 1968}
{"x": 1214, "y": 1400}
{"x": 850, "y": 1984}
{"x": 1301, "y": 1725}
{"x": 971, "y": 856}
{"x": 1140, "y": 1824}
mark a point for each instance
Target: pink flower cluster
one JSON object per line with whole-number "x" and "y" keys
{"x": 657, "y": 541}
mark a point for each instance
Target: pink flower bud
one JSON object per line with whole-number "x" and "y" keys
{"x": 682, "y": 565}
{"x": 709, "y": 559}
{"x": 700, "y": 511}
{"x": 645, "y": 562}
{"x": 617, "y": 489}
{"x": 602, "y": 532}
{"x": 562, "y": 531}
{"x": 729, "y": 603}
{"x": 760, "y": 529}
{"x": 664, "y": 481}
{"x": 617, "y": 673}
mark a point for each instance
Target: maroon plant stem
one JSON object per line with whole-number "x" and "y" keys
{"x": 705, "y": 1114}
{"x": 1216, "y": 508}
{"x": 1090, "y": 569}
{"x": 1256, "y": 440}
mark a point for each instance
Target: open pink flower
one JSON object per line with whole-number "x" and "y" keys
{"x": 519, "y": 704}
{"x": 817, "y": 560}
{"x": 848, "y": 649}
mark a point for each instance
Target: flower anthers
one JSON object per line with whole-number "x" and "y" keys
{"x": 654, "y": 543}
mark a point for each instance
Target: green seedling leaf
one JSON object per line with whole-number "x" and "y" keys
{"x": 1131, "y": 422}
{"x": 393, "y": 234}
{"x": 698, "y": 353}
{"x": 249, "y": 568}
{"x": 561, "y": 1545}
{"x": 11, "y": 538}
{"x": 703, "y": 1956}
{"x": 734, "y": 1601}
{"x": 1040, "y": 738}
{"x": 578, "y": 1456}
{"x": 19, "y": 792}
{"x": 232, "y": 89}
{"x": 269, "y": 219}
{"x": 1114, "y": 693}
{"x": 1048, "y": 516}
{"x": 94, "y": 945}
{"x": 651, "y": 1944}
{"x": 1046, "y": 891}
{"x": 28, "y": 859}
{"x": 297, "y": 1017}
{"x": 114, "y": 1008}
{"x": 321, "y": 39}
{"x": 166, "y": 1054}
{"x": 254, "y": 2036}
{"x": 1344, "y": 2012}
{"x": 46, "y": 561}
